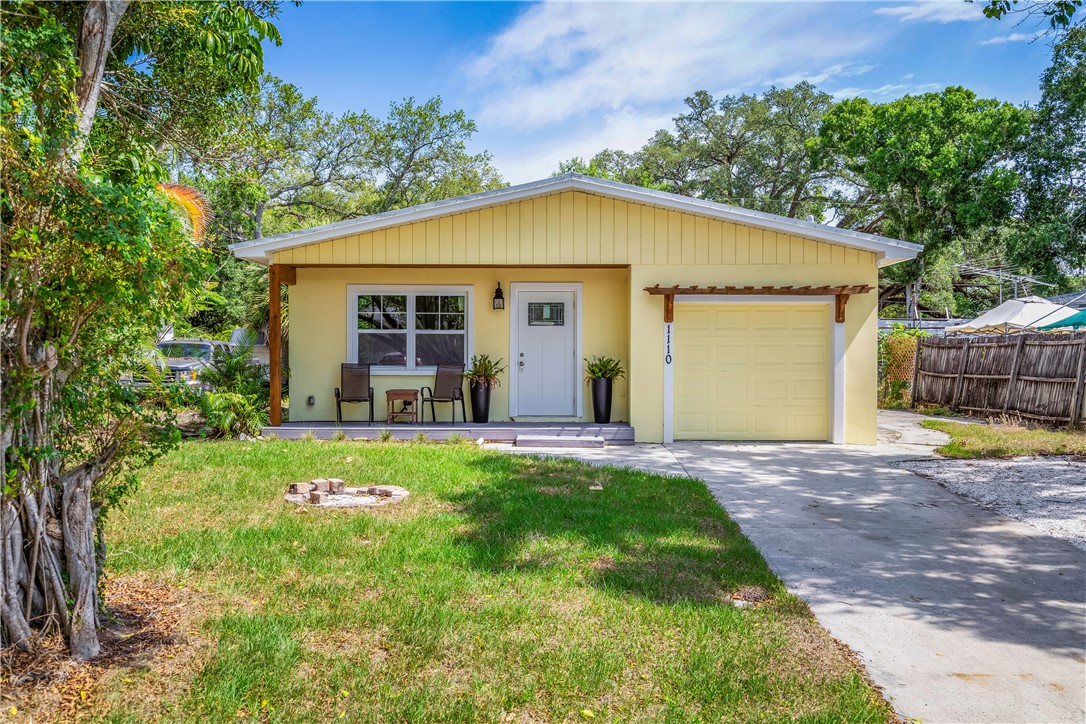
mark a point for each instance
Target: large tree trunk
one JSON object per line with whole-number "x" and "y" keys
{"x": 100, "y": 20}
{"x": 12, "y": 611}
{"x": 49, "y": 557}
{"x": 82, "y": 562}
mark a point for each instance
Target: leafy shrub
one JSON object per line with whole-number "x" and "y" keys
{"x": 229, "y": 414}
{"x": 234, "y": 370}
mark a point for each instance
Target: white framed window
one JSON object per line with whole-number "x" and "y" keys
{"x": 408, "y": 329}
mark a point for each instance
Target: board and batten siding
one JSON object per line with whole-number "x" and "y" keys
{"x": 572, "y": 228}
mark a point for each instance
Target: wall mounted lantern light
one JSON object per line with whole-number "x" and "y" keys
{"x": 499, "y": 297}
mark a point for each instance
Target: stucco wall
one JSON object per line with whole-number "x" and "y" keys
{"x": 318, "y": 330}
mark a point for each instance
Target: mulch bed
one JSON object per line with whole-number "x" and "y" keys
{"x": 146, "y": 621}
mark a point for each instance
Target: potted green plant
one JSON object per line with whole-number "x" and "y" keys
{"x": 482, "y": 376}
{"x": 600, "y": 374}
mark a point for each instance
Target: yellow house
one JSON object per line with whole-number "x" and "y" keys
{"x": 732, "y": 324}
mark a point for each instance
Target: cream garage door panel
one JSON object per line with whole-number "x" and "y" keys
{"x": 752, "y": 372}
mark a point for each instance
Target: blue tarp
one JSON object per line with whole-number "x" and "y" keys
{"x": 1078, "y": 321}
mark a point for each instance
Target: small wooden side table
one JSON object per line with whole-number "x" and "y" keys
{"x": 410, "y": 411}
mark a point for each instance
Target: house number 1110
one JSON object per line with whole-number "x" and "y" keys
{"x": 667, "y": 343}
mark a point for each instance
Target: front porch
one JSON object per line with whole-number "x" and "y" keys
{"x": 564, "y": 433}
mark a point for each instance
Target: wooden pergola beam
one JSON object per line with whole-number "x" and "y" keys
{"x": 807, "y": 291}
{"x": 839, "y": 293}
{"x": 839, "y": 302}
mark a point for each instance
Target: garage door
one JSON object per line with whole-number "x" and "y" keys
{"x": 752, "y": 372}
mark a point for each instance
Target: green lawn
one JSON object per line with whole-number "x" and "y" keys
{"x": 998, "y": 440}
{"x": 503, "y": 589}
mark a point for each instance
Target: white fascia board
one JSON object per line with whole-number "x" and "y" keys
{"x": 888, "y": 251}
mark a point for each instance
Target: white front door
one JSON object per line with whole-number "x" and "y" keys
{"x": 544, "y": 354}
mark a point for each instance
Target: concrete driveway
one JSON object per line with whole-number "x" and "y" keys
{"x": 960, "y": 614}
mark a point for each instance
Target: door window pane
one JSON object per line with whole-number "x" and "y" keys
{"x": 546, "y": 314}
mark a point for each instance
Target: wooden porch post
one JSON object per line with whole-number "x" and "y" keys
{"x": 275, "y": 347}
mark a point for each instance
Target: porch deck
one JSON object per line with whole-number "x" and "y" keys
{"x": 615, "y": 433}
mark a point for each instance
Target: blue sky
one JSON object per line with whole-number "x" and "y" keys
{"x": 546, "y": 82}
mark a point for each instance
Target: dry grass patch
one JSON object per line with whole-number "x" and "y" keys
{"x": 151, "y": 648}
{"x": 1006, "y": 440}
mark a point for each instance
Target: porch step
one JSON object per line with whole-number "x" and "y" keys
{"x": 557, "y": 441}
{"x": 616, "y": 433}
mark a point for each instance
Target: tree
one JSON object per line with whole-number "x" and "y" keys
{"x": 1059, "y": 14}
{"x": 753, "y": 151}
{"x": 931, "y": 169}
{"x": 155, "y": 76}
{"x": 289, "y": 165}
{"x": 94, "y": 260}
{"x": 286, "y": 157}
{"x": 1051, "y": 238}
{"x": 419, "y": 154}
{"x": 614, "y": 166}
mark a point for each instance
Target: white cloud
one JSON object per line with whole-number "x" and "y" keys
{"x": 622, "y": 130}
{"x": 840, "y": 70}
{"x": 558, "y": 62}
{"x": 1013, "y": 38}
{"x": 889, "y": 91}
{"x": 935, "y": 11}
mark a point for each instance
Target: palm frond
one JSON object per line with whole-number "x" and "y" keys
{"x": 193, "y": 203}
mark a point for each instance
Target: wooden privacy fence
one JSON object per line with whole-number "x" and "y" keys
{"x": 1036, "y": 376}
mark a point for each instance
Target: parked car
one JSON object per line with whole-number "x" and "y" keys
{"x": 182, "y": 361}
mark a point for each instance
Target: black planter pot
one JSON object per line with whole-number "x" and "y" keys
{"x": 480, "y": 402}
{"x": 601, "y": 400}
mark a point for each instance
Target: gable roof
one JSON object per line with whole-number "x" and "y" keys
{"x": 887, "y": 251}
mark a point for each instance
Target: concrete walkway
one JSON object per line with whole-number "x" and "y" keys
{"x": 959, "y": 614}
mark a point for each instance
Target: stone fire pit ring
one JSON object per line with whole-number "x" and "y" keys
{"x": 332, "y": 493}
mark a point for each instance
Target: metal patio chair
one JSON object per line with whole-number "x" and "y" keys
{"x": 354, "y": 386}
{"x": 448, "y": 387}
